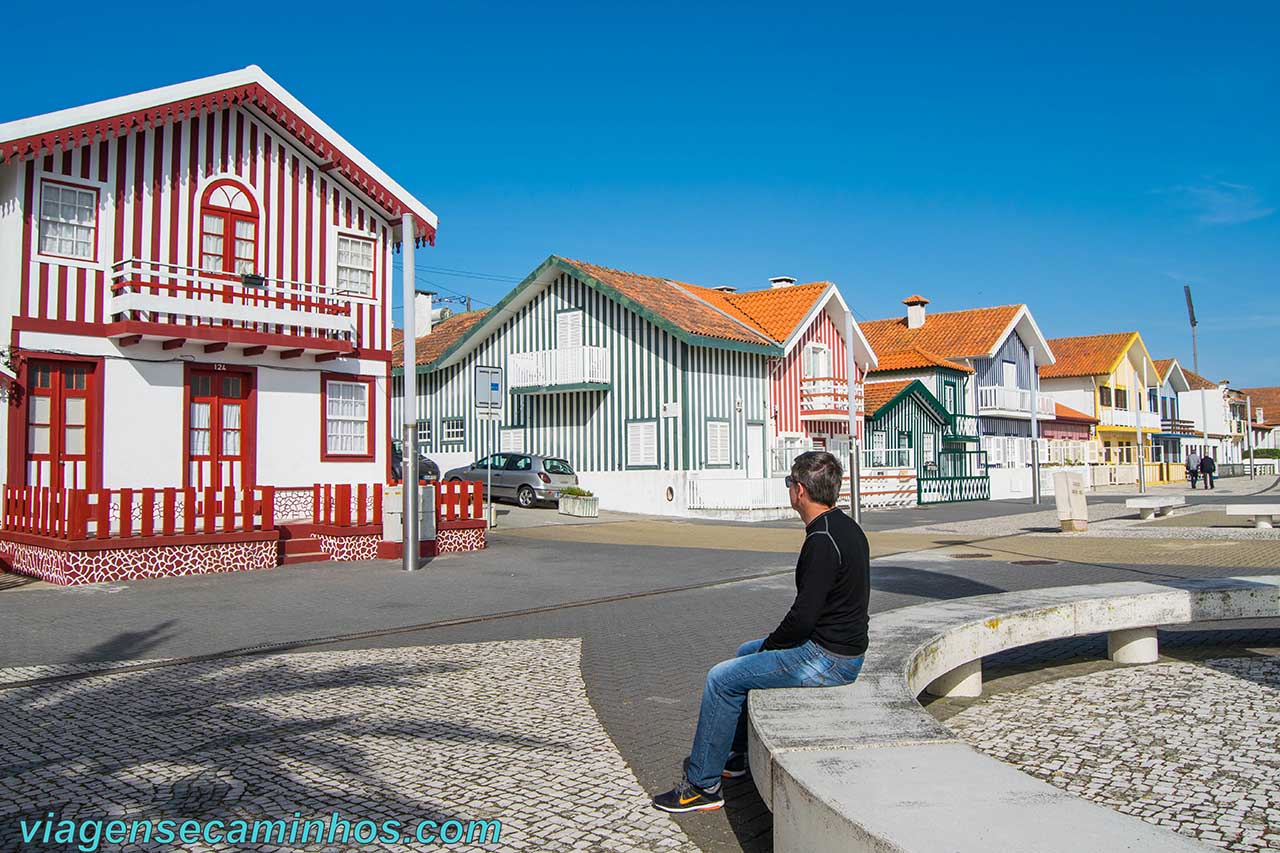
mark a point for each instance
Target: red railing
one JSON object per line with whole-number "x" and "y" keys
{"x": 461, "y": 501}
{"x": 110, "y": 513}
{"x": 344, "y": 505}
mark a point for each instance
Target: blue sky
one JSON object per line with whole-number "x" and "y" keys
{"x": 1086, "y": 159}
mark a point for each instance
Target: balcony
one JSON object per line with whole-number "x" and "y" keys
{"x": 1000, "y": 400}
{"x": 151, "y": 300}
{"x": 1130, "y": 419}
{"x": 1178, "y": 426}
{"x": 962, "y": 428}
{"x": 824, "y": 399}
{"x": 559, "y": 370}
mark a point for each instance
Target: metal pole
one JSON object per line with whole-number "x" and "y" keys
{"x": 409, "y": 441}
{"x": 488, "y": 475}
{"x": 1035, "y": 432}
{"x": 855, "y": 448}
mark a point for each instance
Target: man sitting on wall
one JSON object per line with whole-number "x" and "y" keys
{"x": 819, "y": 643}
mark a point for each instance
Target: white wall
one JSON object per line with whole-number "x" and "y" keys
{"x": 141, "y": 424}
{"x": 1073, "y": 392}
{"x": 10, "y": 278}
{"x": 1191, "y": 407}
{"x": 1010, "y": 483}
{"x": 638, "y": 491}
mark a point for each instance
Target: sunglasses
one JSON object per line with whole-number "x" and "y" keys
{"x": 790, "y": 481}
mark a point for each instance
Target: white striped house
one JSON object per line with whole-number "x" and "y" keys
{"x": 644, "y": 384}
{"x": 195, "y": 284}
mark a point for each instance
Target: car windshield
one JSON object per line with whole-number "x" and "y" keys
{"x": 557, "y": 466}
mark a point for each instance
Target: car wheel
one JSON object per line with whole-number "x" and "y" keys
{"x": 525, "y": 497}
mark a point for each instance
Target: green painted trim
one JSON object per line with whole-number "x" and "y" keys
{"x": 718, "y": 465}
{"x": 657, "y": 430}
{"x": 684, "y": 405}
{"x": 916, "y": 387}
{"x": 554, "y": 389}
{"x": 443, "y": 440}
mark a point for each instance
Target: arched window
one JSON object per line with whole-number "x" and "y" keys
{"x": 228, "y": 229}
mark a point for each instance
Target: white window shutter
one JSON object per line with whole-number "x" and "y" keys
{"x": 642, "y": 443}
{"x": 568, "y": 329}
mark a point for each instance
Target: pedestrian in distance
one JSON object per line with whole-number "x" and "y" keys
{"x": 819, "y": 643}
{"x": 1208, "y": 467}
{"x": 1193, "y": 467}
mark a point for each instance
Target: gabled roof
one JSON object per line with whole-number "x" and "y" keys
{"x": 33, "y": 137}
{"x": 1198, "y": 382}
{"x": 1267, "y": 399}
{"x": 1066, "y": 413}
{"x": 443, "y": 335}
{"x": 776, "y": 312}
{"x": 1169, "y": 370}
{"x": 972, "y": 333}
{"x": 879, "y": 397}
{"x": 1088, "y": 355}
{"x": 916, "y": 358}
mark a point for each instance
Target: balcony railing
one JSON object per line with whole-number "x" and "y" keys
{"x": 962, "y": 426}
{"x": 155, "y": 293}
{"x": 999, "y": 398}
{"x": 559, "y": 369}
{"x": 1177, "y": 425}
{"x": 824, "y": 398}
{"x": 1129, "y": 418}
{"x": 888, "y": 457}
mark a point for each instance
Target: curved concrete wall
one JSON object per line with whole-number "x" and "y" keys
{"x": 864, "y": 767}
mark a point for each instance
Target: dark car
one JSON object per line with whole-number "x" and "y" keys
{"x": 527, "y": 477}
{"x": 427, "y": 470}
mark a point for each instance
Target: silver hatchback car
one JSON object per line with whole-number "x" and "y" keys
{"x": 528, "y": 478}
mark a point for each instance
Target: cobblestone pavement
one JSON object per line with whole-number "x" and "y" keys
{"x": 1191, "y": 746}
{"x": 492, "y": 731}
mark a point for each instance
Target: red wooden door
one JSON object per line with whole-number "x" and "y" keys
{"x": 61, "y": 434}
{"x": 218, "y": 423}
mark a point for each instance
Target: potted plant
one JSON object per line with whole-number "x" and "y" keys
{"x": 579, "y": 502}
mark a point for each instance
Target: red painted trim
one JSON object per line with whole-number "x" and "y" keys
{"x": 290, "y": 353}
{"x": 230, "y": 218}
{"x": 97, "y": 203}
{"x": 174, "y": 343}
{"x": 94, "y": 415}
{"x": 374, "y": 292}
{"x": 371, "y": 429}
{"x": 128, "y": 340}
{"x": 218, "y": 347}
{"x": 326, "y": 356}
{"x": 219, "y": 333}
{"x": 118, "y": 542}
{"x": 251, "y": 351}
{"x": 28, "y": 215}
{"x": 248, "y": 420}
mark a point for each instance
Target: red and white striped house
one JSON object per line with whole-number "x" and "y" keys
{"x": 195, "y": 294}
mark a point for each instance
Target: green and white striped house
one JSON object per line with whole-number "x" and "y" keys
{"x": 644, "y": 384}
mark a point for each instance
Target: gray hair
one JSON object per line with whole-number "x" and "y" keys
{"x": 820, "y": 474}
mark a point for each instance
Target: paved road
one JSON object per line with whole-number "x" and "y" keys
{"x": 662, "y": 616}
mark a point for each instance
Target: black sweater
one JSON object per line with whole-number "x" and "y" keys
{"x": 833, "y": 583}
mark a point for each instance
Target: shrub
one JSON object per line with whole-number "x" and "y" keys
{"x": 575, "y": 492}
{"x": 1266, "y": 453}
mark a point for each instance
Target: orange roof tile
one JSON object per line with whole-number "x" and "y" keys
{"x": 1267, "y": 399}
{"x": 1086, "y": 355}
{"x": 676, "y": 302}
{"x": 950, "y": 334}
{"x": 443, "y": 335}
{"x": 777, "y": 311}
{"x": 876, "y": 394}
{"x": 915, "y": 299}
{"x": 1066, "y": 413}
{"x": 1162, "y": 367}
{"x": 1198, "y": 382}
{"x": 915, "y": 358}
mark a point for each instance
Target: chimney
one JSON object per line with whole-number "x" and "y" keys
{"x": 725, "y": 288}
{"x": 422, "y": 312}
{"x": 781, "y": 281}
{"x": 441, "y": 313}
{"x": 915, "y": 310}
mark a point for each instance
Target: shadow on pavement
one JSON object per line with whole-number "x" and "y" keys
{"x": 920, "y": 583}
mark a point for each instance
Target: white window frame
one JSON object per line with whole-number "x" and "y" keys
{"x": 569, "y": 314}
{"x": 424, "y": 433}
{"x": 339, "y": 266}
{"x": 928, "y": 448}
{"x": 638, "y": 428}
{"x": 453, "y": 430}
{"x": 1008, "y": 378}
{"x": 808, "y": 367}
{"x": 61, "y": 185}
{"x": 511, "y": 440}
{"x": 363, "y": 420}
{"x": 718, "y": 444}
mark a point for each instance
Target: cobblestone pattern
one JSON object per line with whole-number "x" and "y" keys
{"x": 459, "y": 540}
{"x": 483, "y": 731}
{"x": 70, "y": 568}
{"x": 348, "y": 548}
{"x": 1193, "y": 747}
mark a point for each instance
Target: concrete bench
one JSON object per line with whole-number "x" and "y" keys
{"x": 1158, "y": 506}
{"x": 865, "y": 768}
{"x": 1263, "y": 516}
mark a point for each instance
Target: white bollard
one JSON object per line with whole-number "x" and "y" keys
{"x": 965, "y": 681}
{"x": 1136, "y": 645}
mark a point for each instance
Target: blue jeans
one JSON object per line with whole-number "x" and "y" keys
{"x": 722, "y": 721}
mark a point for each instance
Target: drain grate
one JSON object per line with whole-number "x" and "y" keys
{"x": 1033, "y": 562}
{"x": 970, "y": 555}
